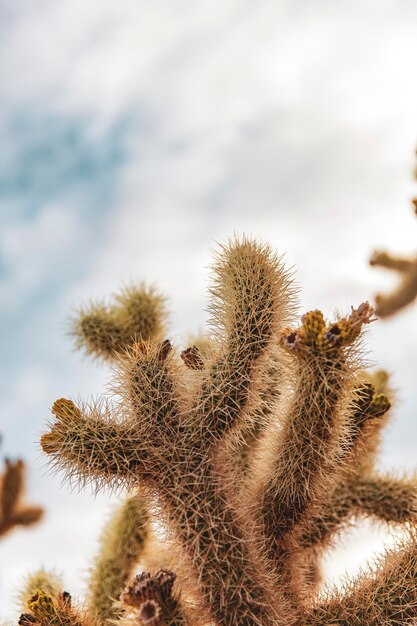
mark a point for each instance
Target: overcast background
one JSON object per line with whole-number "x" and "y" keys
{"x": 135, "y": 134}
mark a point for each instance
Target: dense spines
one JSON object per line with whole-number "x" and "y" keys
{"x": 365, "y": 410}
{"x": 13, "y": 512}
{"x": 49, "y": 582}
{"x": 303, "y": 460}
{"x": 387, "y": 595}
{"x": 196, "y": 505}
{"x": 251, "y": 301}
{"x": 176, "y": 448}
{"x": 48, "y": 610}
{"x": 245, "y": 449}
{"x": 91, "y": 444}
{"x": 138, "y": 313}
{"x": 121, "y": 547}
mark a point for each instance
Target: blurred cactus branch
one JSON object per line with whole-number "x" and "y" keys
{"x": 13, "y": 511}
{"x": 136, "y": 313}
{"x": 388, "y": 304}
{"x": 406, "y": 292}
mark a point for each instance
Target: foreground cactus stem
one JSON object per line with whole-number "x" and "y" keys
{"x": 252, "y": 455}
{"x": 13, "y": 512}
{"x": 304, "y": 462}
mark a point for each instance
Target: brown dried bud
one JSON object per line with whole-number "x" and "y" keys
{"x": 151, "y": 595}
{"x": 150, "y": 613}
{"x": 26, "y": 618}
{"x": 163, "y": 350}
{"x": 192, "y": 358}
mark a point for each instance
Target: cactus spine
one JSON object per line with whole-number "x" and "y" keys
{"x": 252, "y": 455}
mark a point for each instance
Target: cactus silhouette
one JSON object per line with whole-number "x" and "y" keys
{"x": 388, "y": 304}
{"x": 13, "y": 511}
{"x": 252, "y": 453}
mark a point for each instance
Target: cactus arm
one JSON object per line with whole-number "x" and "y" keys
{"x": 137, "y": 313}
{"x": 304, "y": 461}
{"x": 386, "y": 498}
{"x": 405, "y": 293}
{"x": 365, "y": 414}
{"x": 48, "y": 610}
{"x": 389, "y": 596}
{"x": 121, "y": 546}
{"x": 90, "y": 445}
{"x": 49, "y": 582}
{"x": 251, "y": 301}
{"x": 12, "y": 512}
{"x": 389, "y": 499}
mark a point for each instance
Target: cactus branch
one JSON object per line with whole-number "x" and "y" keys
{"x": 13, "y": 512}
{"x": 389, "y": 596}
{"x": 138, "y": 313}
{"x": 91, "y": 445}
{"x": 406, "y": 292}
{"x": 121, "y": 546}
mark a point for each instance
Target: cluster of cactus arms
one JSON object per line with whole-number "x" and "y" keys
{"x": 13, "y": 511}
{"x": 245, "y": 456}
{"x": 389, "y": 304}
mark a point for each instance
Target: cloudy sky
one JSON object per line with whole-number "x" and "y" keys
{"x": 134, "y": 135}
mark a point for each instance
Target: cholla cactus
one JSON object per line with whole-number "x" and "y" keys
{"x": 136, "y": 313}
{"x": 104, "y": 332}
{"x": 389, "y": 304}
{"x": 252, "y": 455}
{"x": 45, "y": 602}
{"x": 13, "y": 511}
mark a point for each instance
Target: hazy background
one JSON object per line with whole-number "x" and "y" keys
{"x": 134, "y": 135}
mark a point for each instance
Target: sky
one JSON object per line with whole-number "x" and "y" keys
{"x": 136, "y": 135}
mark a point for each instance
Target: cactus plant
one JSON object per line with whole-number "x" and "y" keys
{"x": 13, "y": 512}
{"x": 104, "y": 331}
{"x": 389, "y": 304}
{"x": 252, "y": 455}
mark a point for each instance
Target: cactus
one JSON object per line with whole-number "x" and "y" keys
{"x": 389, "y": 304}
{"x": 105, "y": 332}
{"x": 13, "y": 512}
{"x": 49, "y": 610}
{"x": 102, "y": 329}
{"x": 121, "y": 546}
{"x": 44, "y": 601}
{"x": 252, "y": 454}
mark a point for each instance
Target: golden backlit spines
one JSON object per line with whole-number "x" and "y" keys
{"x": 103, "y": 330}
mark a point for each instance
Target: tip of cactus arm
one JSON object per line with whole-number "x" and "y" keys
{"x": 49, "y": 443}
{"x": 65, "y": 409}
{"x": 314, "y": 335}
{"x": 65, "y": 412}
